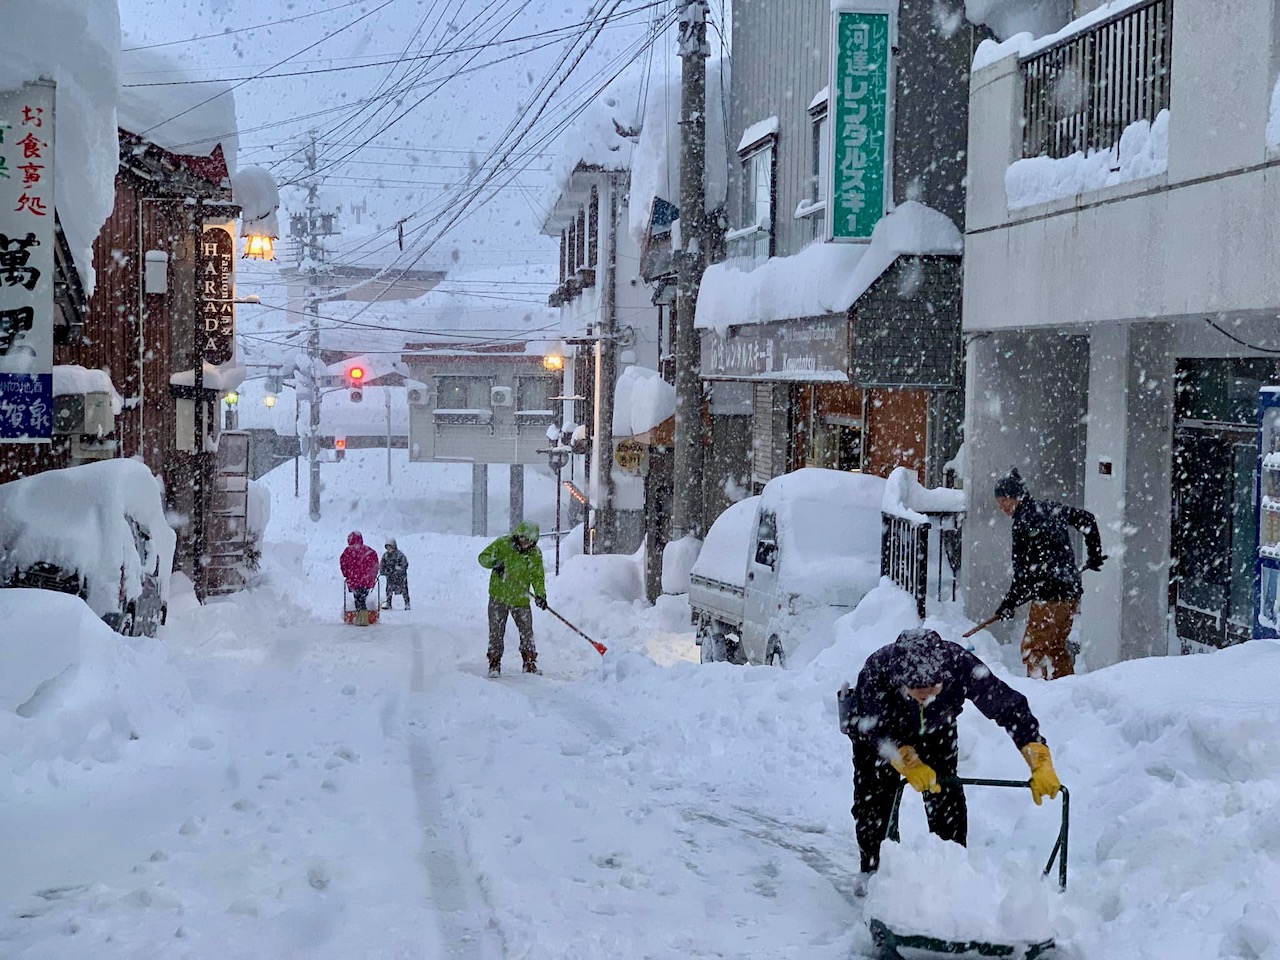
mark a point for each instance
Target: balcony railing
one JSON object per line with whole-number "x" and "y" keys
{"x": 1081, "y": 94}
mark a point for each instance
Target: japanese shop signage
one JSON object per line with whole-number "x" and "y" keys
{"x": 27, "y": 241}
{"x": 801, "y": 349}
{"x": 217, "y": 296}
{"x": 861, "y": 115}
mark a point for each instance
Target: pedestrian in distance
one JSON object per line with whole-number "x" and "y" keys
{"x": 1045, "y": 573}
{"x": 395, "y": 571}
{"x": 516, "y": 565}
{"x": 359, "y": 564}
{"x": 902, "y": 716}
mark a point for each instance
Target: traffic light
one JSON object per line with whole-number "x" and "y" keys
{"x": 355, "y": 379}
{"x": 339, "y": 447}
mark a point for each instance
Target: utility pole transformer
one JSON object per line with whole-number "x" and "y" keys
{"x": 686, "y": 514}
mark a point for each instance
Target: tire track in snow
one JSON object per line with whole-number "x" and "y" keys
{"x": 468, "y": 928}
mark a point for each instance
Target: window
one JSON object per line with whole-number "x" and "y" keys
{"x": 816, "y": 207}
{"x": 767, "y": 539}
{"x": 533, "y": 395}
{"x": 582, "y": 237}
{"x": 462, "y": 393}
{"x": 593, "y": 230}
{"x": 755, "y": 239}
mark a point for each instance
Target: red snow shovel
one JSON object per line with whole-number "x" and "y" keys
{"x": 600, "y": 647}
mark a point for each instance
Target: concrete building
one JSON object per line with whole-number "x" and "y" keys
{"x": 1121, "y": 300}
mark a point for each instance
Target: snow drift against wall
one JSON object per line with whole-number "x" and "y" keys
{"x": 190, "y": 119}
{"x": 1143, "y": 151}
{"x": 77, "y": 44}
{"x": 824, "y": 278}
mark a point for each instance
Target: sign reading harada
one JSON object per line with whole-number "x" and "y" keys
{"x": 862, "y": 47}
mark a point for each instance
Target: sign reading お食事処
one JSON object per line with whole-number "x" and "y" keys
{"x": 27, "y": 242}
{"x": 217, "y": 297}
{"x": 860, "y": 106}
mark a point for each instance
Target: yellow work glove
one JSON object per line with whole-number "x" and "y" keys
{"x": 918, "y": 773}
{"x": 1044, "y": 779}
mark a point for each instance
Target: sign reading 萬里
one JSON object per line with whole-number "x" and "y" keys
{"x": 861, "y": 78}
{"x": 27, "y": 242}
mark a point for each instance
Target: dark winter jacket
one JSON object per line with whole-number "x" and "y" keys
{"x": 880, "y": 711}
{"x": 359, "y": 563}
{"x": 515, "y": 572}
{"x": 395, "y": 565}
{"x": 1044, "y": 562}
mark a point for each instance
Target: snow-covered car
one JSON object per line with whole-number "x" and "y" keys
{"x": 785, "y": 564}
{"x": 97, "y": 531}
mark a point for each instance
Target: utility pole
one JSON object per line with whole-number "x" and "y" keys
{"x": 686, "y": 513}
{"x": 607, "y": 382}
{"x": 199, "y": 540}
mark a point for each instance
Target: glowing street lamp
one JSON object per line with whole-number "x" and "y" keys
{"x": 269, "y": 400}
{"x": 553, "y": 362}
{"x": 258, "y": 246}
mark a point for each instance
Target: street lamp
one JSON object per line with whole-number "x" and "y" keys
{"x": 553, "y": 362}
{"x": 269, "y": 400}
{"x": 259, "y": 246}
{"x": 557, "y": 458}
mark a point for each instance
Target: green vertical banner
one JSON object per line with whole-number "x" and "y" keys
{"x": 860, "y": 91}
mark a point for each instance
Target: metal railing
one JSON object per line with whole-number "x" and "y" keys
{"x": 904, "y": 555}
{"x": 1081, "y": 93}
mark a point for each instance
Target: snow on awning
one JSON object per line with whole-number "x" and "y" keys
{"x": 642, "y": 401}
{"x": 758, "y": 132}
{"x": 226, "y": 377}
{"x": 820, "y": 99}
{"x": 824, "y": 278}
{"x": 74, "y": 379}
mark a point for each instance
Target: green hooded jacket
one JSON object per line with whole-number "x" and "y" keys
{"x": 523, "y": 571}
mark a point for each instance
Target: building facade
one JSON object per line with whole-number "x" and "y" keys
{"x": 1120, "y": 302}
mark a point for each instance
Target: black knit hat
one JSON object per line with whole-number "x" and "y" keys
{"x": 1011, "y": 485}
{"x": 919, "y": 657}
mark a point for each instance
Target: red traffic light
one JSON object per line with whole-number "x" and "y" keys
{"x": 340, "y": 443}
{"x": 355, "y": 374}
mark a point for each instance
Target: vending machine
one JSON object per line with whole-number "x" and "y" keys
{"x": 1266, "y": 619}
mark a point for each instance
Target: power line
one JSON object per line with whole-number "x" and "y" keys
{"x": 256, "y": 26}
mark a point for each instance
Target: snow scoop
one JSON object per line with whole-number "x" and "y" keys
{"x": 889, "y": 940}
{"x": 361, "y": 618}
{"x": 600, "y": 647}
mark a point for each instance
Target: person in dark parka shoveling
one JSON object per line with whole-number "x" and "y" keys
{"x": 902, "y": 716}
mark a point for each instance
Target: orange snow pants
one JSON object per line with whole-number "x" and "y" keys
{"x": 1044, "y": 646}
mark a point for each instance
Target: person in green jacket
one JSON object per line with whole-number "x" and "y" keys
{"x": 516, "y": 563}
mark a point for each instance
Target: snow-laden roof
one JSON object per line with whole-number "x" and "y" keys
{"x": 768, "y": 127}
{"x": 603, "y": 137}
{"x": 655, "y": 167}
{"x": 824, "y": 278}
{"x": 227, "y": 376}
{"x": 906, "y": 497}
{"x": 188, "y": 119}
{"x": 255, "y": 190}
{"x": 77, "y": 44}
{"x": 1041, "y": 32}
{"x": 1009, "y": 17}
{"x": 72, "y": 378}
{"x": 642, "y": 400}
{"x": 34, "y": 527}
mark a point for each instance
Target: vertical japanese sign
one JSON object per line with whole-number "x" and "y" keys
{"x": 217, "y": 294}
{"x": 861, "y": 111}
{"x": 27, "y": 241}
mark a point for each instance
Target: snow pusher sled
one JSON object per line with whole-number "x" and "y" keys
{"x": 889, "y": 940}
{"x": 361, "y": 618}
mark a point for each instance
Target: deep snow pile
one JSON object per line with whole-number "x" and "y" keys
{"x": 77, "y": 44}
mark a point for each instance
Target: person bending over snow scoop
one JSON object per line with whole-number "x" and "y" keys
{"x": 1045, "y": 572}
{"x": 359, "y": 565}
{"x": 395, "y": 570}
{"x": 901, "y": 717}
{"x": 516, "y": 563}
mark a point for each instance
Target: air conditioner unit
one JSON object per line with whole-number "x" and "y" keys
{"x": 417, "y": 396}
{"x": 98, "y": 418}
{"x": 68, "y": 413}
{"x": 501, "y": 396}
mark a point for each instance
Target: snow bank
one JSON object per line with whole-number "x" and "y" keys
{"x": 1143, "y": 151}
{"x": 33, "y": 526}
{"x": 824, "y": 278}
{"x": 190, "y": 119}
{"x": 905, "y": 496}
{"x": 724, "y": 553}
{"x": 77, "y": 44}
{"x": 1031, "y": 37}
{"x": 71, "y": 378}
{"x": 642, "y": 400}
{"x": 259, "y": 508}
{"x": 74, "y": 691}
{"x": 678, "y": 558}
{"x": 655, "y": 161}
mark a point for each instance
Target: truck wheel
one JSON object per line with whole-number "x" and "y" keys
{"x": 774, "y": 655}
{"x": 712, "y": 648}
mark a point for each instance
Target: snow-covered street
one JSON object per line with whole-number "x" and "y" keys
{"x": 328, "y": 791}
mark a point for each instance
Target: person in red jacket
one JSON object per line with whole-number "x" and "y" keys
{"x": 359, "y": 568}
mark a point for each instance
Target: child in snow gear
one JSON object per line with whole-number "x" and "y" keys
{"x": 1045, "y": 572}
{"x": 516, "y": 563}
{"x": 395, "y": 570}
{"x": 901, "y": 717}
{"x": 359, "y": 564}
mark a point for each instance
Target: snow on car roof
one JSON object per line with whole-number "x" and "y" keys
{"x": 75, "y": 518}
